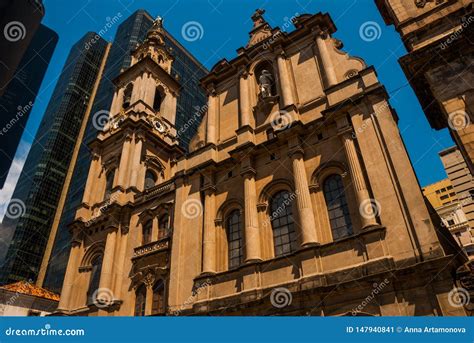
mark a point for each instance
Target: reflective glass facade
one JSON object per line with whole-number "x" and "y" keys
{"x": 41, "y": 181}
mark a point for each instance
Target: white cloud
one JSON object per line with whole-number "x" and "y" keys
{"x": 14, "y": 173}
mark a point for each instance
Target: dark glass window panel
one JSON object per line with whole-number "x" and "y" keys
{"x": 94, "y": 279}
{"x": 158, "y": 303}
{"x": 109, "y": 184}
{"x": 338, "y": 210}
{"x": 163, "y": 228}
{"x": 234, "y": 239}
{"x": 150, "y": 179}
{"x": 284, "y": 234}
{"x": 147, "y": 228}
{"x": 140, "y": 301}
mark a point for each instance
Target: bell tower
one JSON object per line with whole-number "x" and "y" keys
{"x": 138, "y": 144}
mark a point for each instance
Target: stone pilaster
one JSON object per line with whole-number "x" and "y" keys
{"x": 244, "y": 98}
{"x": 303, "y": 197}
{"x": 136, "y": 159}
{"x": 124, "y": 166}
{"x": 69, "y": 278}
{"x": 285, "y": 83}
{"x": 92, "y": 179}
{"x": 322, "y": 39}
{"x": 108, "y": 260}
{"x": 117, "y": 102}
{"x": 364, "y": 202}
{"x": 252, "y": 234}
{"x": 212, "y": 115}
{"x": 209, "y": 265}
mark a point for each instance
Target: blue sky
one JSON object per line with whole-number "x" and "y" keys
{"x": 226, "y": 24}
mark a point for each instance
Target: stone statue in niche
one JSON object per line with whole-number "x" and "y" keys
{"x": 266, "y": 83}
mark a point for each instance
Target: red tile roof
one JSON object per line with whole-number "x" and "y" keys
{"x": 23, "y": 287}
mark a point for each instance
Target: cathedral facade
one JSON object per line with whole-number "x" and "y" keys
{"x": 296, "y": 197}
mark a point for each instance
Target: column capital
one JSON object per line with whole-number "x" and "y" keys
{"x": 243, "y": 72}
{"x": 248, "y": 172}
{"x": 296, "y": 152}
{"x": 209, "y": 189}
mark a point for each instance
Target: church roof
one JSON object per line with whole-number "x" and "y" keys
{"x": 23, "y": 287}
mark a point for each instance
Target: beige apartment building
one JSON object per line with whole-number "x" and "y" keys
{"x": 438, "y": 37}
{"x": 297, "y": 196}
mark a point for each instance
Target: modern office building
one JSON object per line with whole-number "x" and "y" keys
{"x": 294, "y": 199}
{"x": 19, "y": 20}
{"x": 39, "y": 187}
{"x": 444, "y": 200}
{"x": 18, "y": 100}
{"x": 438, "y": 37}
{"x": 189, "y": 104}
{"x": 463, "y": 185}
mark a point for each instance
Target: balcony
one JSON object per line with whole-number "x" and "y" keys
{"x": 151, "y": 248}
{"x": 155, "y": 191}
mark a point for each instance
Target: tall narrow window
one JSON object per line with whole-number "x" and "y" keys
{"x": 109, "y": 184}
{"x": 158, "y": 100}
{"x": 94, "y": 279}
{"x": 283, "y": 225}
{"x": 140, "y": 301}
{"x": 164, "y": 226}
{"x": 158, "y": 304}
{"x": 338, "y": 210}
{"x": 127, "y": 96}
{"x": 234, "y": 239}
{"x": 147, "y": 228}
{"x": 150, "y": 179}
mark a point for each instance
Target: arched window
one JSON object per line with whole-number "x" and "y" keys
{"x": 146, "y": 233}
{"x": 338, "y": 210}
{"x": 94, "y": 279}
{"x": 158, "y": 303}
{"x": 109, "y": 184}
{"x": 150, "y": 179}
{"x": 140, "y": 301}
{"x": 164, "y": 226}
{"x": 127, "y": 96}
{"x": 234, "y": 239}
{"x": 283, "y": 225}
{"x": 158, "y": 100}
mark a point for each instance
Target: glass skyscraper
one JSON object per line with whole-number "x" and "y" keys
{"x": 18, "y": 99}
{"x": 185, "y": 68}
{"x": 41, "y": 182}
